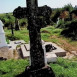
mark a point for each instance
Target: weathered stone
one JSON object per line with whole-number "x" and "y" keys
{"x": 13, "y": 44}
{"x": 27, "y": 46}
{"x": 25, "y": 53}
{"x": 37, "y": 68}
{"x": 2, "y": 36}
{"x": 51, "y": 57}
{"x": 7, "y": 53}
{"x": 59, "y": 51}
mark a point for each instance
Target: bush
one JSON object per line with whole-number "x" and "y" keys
{"x": 23, "y": 22}
{"x": 68, "y": 7}
{"x": 60, "y": 24}
{"x": 70, "y": 29}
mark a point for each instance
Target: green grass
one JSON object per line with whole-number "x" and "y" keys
{"x": 65, "y": 68}
{"x": 12, "y": 67}
{"x": 23, "y": 34}
{"x": 18, "y": 35}
{"x": 62, "y": 68}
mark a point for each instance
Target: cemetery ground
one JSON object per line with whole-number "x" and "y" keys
{"x": 62, "y": 68}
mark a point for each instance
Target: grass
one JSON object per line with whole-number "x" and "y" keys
{"x": 49, "y": 33}
{"x": 18, "y": 35}
{"x": 65, "y": 68}
{"x": 11, "y": 68}
{"x": 23, "y": 34}
{"x": 62, "y": 68}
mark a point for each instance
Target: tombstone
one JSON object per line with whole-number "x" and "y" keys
{"x": 37, "y": 67}
{"x": 2, "y": 36}
{"x": 16, "y": 24}
{"x": 12, "y": 31}
{"x": 58, "y": 19}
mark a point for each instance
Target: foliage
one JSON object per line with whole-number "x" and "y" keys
{"x": 64, "y": 15}
{"x": 23, "y": 22}
{"x": 70, "y": 29}
{"x": 60, "y": 24}
{"x": 56, "y": 14}
{"x": 68, "y": 7}
{"x": 8, "y": 19}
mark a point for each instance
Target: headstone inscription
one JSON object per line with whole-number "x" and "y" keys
{"x": 2, "y": 36}
{"x": 38, "y": 67}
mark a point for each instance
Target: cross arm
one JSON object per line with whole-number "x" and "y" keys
{"x": 20, "y": 12}
{"x": 43, "y": 14}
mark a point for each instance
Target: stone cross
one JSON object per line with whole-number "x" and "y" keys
{"x": 16, "y": 24}
{"x": 12, "y": 32}
{"x": 32, "y": 12}
{"x": 2, "y": 36}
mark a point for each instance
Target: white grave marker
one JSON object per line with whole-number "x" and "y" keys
{"x": 2, "y": 36}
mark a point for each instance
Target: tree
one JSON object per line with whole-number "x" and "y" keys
{"x": 68, "y": 7}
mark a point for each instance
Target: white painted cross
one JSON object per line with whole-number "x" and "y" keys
{"x": 2, "y": 36}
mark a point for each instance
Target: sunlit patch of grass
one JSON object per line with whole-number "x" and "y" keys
{"x": 65, "y": 68}
{"x": 62, "y": 68}
{"x": 12, "y": 67}
{"x": 18, "y": 35}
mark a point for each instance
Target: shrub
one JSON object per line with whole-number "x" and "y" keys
{"x": 68, "y": 7}
{"x": 70, "y": 29}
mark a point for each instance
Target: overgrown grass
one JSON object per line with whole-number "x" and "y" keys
{"x": 65, "y": 68}
{"x": 11, "y": 68}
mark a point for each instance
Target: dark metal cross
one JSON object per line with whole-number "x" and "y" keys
{"x": 33, "y": 13}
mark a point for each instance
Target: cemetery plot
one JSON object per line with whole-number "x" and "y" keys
{"x": 51, "y": 56}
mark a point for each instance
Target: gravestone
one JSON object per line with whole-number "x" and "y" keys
{"x": 16, "y": 24}
{"x": 58, "y": 19}
{"x": 38, "y": 67}
{"x": 12, "y": 32}
{"x": 2, "y": 36}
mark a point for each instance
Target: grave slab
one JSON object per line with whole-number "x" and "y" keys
{"x": 59, "y": 51}
{"x": 27, "y": 46}
{"x": 51, "y": 57}
{"x": 14, "y": 44}
{"x": 25, "y": 53}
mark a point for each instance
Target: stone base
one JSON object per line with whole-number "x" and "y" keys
{"x": 43, "y": 72}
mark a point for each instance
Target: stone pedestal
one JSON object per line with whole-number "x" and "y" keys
{"x": 2, "y": 36}
{"x": 42, "y": 72}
